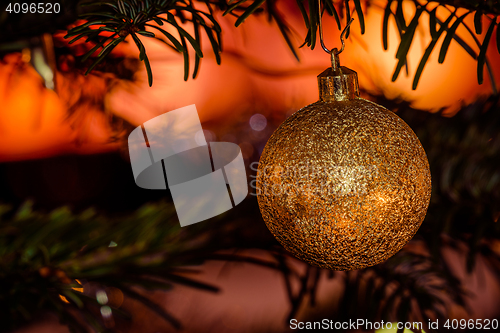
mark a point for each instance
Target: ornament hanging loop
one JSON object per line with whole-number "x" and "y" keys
{"x": 336, "y": 83}
{"x": 342, "y": 37}
{"x": 333, "y": 52}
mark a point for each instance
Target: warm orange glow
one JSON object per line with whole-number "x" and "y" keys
{"x": 258, "y": 73}
{"x": 448, "y": 85}
{"x": 64, "y": 299}
{"x": 32, "y": 118}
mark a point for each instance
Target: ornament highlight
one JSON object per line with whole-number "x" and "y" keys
{"x": 343, "y": 183}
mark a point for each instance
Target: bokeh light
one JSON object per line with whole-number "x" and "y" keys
{"x": 258, "y": 122}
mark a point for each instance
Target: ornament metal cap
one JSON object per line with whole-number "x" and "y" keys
{"x": 338, "y": 83}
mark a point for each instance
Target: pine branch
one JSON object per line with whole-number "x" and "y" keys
{"x": 483, "y": 6}
{"x": 112, "y": 21}
{"x": 46, "y": 260}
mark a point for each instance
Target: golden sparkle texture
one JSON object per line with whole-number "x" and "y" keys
{"x": 343, "y": 185}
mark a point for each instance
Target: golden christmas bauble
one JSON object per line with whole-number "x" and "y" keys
{"x": 343, "y": 183}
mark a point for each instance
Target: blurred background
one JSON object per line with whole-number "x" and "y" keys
{"x": 82, "y": 246}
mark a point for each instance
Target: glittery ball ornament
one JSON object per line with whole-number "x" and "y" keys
{"x": 343, "y": 183}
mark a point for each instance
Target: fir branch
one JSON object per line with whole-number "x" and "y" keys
{"x": 45, "y": 257}
{"x": 132, "y": 17}
{"x": 145, "y": 17}
{"x": 125, "y": 18}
